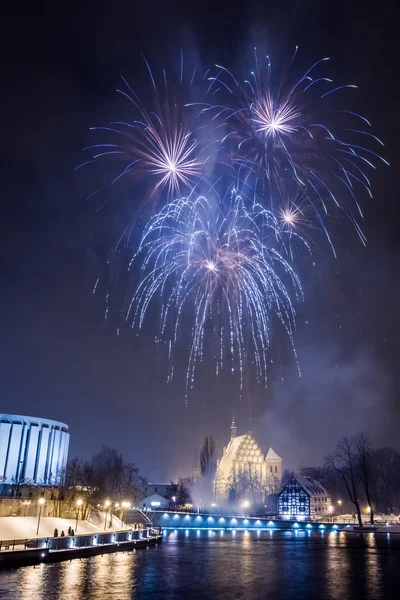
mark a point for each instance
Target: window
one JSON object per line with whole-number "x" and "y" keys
{"x": 155, "y": 489}
{"x": 270, "y": 469}
{"x": 276, "y": 469}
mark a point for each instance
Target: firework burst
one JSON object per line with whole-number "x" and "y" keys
{"x": 292, "y": 130}
{"x": 160, "y": 144}
{"x": 221, "y": 268}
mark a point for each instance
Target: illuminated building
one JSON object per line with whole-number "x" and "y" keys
{"x": 303, "y": 497}
{"x": 33, "y": 451}
{"x": 244, "y": 464}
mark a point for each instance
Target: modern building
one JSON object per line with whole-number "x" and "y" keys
{"x": 303, "y": 498}
{"x": 243, "y": 463}
{"x": 33, "y": 451}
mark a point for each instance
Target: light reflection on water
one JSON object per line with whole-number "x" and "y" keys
{"x": 228, "y": 565}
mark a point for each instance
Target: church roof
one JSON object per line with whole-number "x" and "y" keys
{"x": 272, "y": 455}
{"x": 239, "y": 448}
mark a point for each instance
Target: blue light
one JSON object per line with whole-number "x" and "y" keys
{"x": 271, "y": 524}
{"x": 165, "y": 516}
{"x": 233, "y": 521}
{"x": 335, "y": 527}
{"x": 222, "y": 520}
{"x": 309, "y": 526}
{"x": 258, "y": 522}
{"x": 187, "y": 517}
{"x": 246, "y": 521}
{"x": 321, "y": 527}
{"x": 296, "y": 525}
{"x": 210, "y": 519}
{"x": 198, "y": 518}
{"x": 176, "y": 516}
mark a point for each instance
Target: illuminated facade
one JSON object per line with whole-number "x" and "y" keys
{"x": 32, "y": 451}
{"x": 303, "y": 497}
{"x": 243, "y": 464}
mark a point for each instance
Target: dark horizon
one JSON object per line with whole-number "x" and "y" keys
{"x": 63, "y": 361}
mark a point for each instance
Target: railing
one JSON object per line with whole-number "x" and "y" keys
{"x": 80, "y": 541}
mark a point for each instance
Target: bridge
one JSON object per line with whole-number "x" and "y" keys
{"x": 177, "y": 520}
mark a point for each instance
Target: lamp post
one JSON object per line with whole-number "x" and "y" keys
{"x": 78, "y": 505}
{"x": 125, "y": 505}
{"x": 26, "y": 503}
{"x": 106, "y": 504}
{"x": 41, "y": 502}
{"x": 340, "y": 504}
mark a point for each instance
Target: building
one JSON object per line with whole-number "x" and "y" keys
{"x": 155, "y": 501}
{"x": 33, "y": 451}
{"x": 243, "y": 465}
{"x": 166, "y": 490}
{"x": 303, "y": 498}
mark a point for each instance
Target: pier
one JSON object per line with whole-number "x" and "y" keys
{"x": 17, "y": 553}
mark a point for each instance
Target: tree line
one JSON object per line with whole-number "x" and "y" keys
{"x": 364, "y": 479}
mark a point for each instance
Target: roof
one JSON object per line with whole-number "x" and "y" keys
{"x": 239, "y": 448}
{"x": 311, "y": 486}
{"x": 9, "y": 418}
{"x": 272, "y": 455}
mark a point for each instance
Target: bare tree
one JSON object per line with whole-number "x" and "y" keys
{"x": 183, "y": 490}
{"x": 246, "y": 482}
{"x": 363, "y": 450}
{"x": 344, "y": 462}
{"x": 207, "y": 457}
{"x": 386, "y": 463}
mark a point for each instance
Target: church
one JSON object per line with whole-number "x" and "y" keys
{"x": 244, "y": 471}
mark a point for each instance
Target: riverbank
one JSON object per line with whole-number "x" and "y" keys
{"x": 18, "y": 553}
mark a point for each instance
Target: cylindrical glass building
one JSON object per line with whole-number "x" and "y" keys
{"x": 32, "y": 450}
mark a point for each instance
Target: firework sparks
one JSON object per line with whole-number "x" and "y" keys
{"x": 223, "y": 268}
{"x": 285, "y": 130}
{"x": 160, "y": 145}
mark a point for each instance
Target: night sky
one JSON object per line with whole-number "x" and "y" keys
{"x": 61, "y": 360}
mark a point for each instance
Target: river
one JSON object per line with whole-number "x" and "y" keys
{"x": 224, "y": 566}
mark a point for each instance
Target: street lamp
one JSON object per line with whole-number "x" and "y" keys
{"x": 125, "y": 505}
{"x": 106, "y": 504}
{"x": 26, "y": 503}
{"x": 246, "y": 504}
{"x": 78, "y": 504}
{"x": 41, "y": 502}
{"x": 340, "y": 504}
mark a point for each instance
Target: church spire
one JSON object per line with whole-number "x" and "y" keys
{"x": 233, "y": 427}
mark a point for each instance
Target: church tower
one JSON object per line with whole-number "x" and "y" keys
{"x": 233, "y": 428}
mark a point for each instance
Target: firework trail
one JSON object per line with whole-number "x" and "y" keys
{"x": 218, "y": 266}
{"x": 288, "y": 131}
{"x": 222, "y": 267}
{"x": 160, "y": 144}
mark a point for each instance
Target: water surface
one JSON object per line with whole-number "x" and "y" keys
{"x": 224, "y": 565}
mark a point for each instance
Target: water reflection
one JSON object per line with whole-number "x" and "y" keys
{"x": 223, "y": 565}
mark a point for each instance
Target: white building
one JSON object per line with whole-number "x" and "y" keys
{"x": 32, "y": 450}
{"x": 155, "y": 501}
{"x": 243, "y": 463}
{"x": 167, "y": 490}
{"x": 303, "y": 498}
